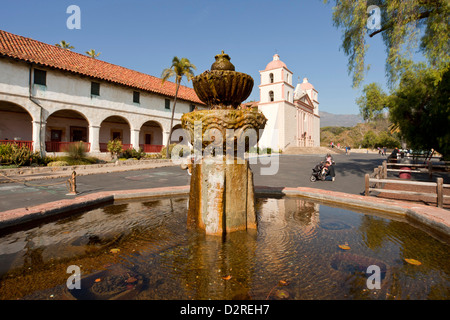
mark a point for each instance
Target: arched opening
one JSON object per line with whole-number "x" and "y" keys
{"x": 271, "y": 77}
{"x": 114, "y": 127}
{"x": 15, "y": 125}
{"x": 271, "y": 98}
{"x": 65, "y": 127}
{"x": 151, "y": 137}
{"x": 175, "y": 138}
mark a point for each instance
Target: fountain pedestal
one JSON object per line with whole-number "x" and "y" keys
{"x": 221, "y": 196}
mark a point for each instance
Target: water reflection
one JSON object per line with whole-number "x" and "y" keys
{"x": 294, "y": 254}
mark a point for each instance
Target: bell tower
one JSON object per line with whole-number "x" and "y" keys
{"x": 276, "y": 82}
{"x": 277, "y": 103}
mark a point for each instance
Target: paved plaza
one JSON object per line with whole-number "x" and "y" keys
{"x": 291, "y": 171}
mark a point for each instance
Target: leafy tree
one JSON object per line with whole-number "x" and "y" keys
{"x": 65, "y": 45}
{"x": 372, "y": 103}
{"x": 369, "y": 140}
{"x": 179, "y": 68}
{"x": 420, "y": 108}
{"x": 92, "y": 53}
{"x": 384, "y": 139}
{"x": 401, "y": 24}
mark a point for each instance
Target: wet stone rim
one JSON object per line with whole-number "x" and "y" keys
{"x": 435, "y": 218}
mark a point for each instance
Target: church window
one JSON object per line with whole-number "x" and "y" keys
{"x": 288, "y": 96}
{"x": 271, "y": 96}
{"x": 271, "y": 77}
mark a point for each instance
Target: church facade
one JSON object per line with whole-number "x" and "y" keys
{"x": 292, "y": 112}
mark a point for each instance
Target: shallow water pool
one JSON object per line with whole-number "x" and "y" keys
{"x": 301, "y": 250}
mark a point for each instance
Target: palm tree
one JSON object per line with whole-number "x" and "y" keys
{"x": 92, "y": 53}
{"x": 178, "y": 69}
{"x": 65, "y": 45}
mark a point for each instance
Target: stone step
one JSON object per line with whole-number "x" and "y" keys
{"x": 309, "y": 150}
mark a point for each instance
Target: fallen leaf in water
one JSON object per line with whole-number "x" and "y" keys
{"x": 282, "y": 294}
{"x": 227, "y": 277}
{"x": 131, "y": 280}
{"x": 98, "y": 280}
{"x": 344, "y": 247}
{"x": 413, "y": 261}
{"x": 283, "y": 283}
{"x": 114, "y": 250}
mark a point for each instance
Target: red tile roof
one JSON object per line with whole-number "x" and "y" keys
{"x": 29, "y": 50}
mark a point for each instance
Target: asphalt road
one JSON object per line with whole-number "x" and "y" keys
{"x": 281, "y": 171}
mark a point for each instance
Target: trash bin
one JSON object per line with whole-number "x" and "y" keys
{"x": 405, "y": 173}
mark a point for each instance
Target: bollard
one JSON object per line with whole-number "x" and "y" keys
{"x": 72, "y": 181}
{"x": 440, "y": 192}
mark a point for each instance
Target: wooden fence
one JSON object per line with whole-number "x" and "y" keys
{"x": 376, "y": 180}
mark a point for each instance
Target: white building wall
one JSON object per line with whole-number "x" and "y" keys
{"x": 272, "y": 135}
{"x": 66, "y": 91}
{"x": 290, "y": 129}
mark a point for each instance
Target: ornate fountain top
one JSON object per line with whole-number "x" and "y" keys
{"x": 222, "y": 62}
{"x": 222, "y": 87}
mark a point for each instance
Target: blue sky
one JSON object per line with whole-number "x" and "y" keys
{"x": 146, "y": 35}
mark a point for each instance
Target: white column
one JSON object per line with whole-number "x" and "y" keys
{"x": 134, "y": 138}
{"x": 38, "y": 136}
{"x": 165, "y": 136}
{"x": 94, "y": 138}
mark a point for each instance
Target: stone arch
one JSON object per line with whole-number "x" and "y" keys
{"x": 175, "y": 139}
{"x": 115, "y": 127}
{"x": 16, "y": 124}
{"x": 63, "y": 127}
{"x": 151, "y": 136}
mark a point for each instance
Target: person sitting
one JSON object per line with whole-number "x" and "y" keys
{"x": 329, "y": 167}
{"x": 393, "y": 156}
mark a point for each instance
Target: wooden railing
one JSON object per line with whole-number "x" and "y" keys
{"x": 63, "y": 146}
{"x": 151, "y": 148}
{"x": 19, "y": 143}
{"x": 375, "y": 181}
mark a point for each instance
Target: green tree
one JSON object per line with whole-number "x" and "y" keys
{"x": 369, "y": 140}
{"x": 65, "y": 45}
{"x": 384, "y": 139}
{"x": 420, "y": 108}
{"x": 372, "y": 103}
{"x": 179, "y": 68}
{"x": 402, "y": 22}
{"x": 92, "y": 53}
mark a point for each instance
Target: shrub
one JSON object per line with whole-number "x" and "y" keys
{"x": 20, "y": 156}
{"x": 153, "y": 156}
{"x": 114, "y": 147}
{"x": 57, "y": 164}
{"x": 77, "y": 151}
{"x": 132, "y": 153}
{"x": 163, "y": 150}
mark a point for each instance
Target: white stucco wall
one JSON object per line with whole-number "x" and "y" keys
{"x": 67, "y": 91}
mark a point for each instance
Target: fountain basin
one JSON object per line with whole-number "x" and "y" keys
{"x": 159, "y": 258}
{"x": 223, "y": 88}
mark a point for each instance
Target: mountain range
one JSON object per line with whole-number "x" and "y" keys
{"x": 339, "y": 120}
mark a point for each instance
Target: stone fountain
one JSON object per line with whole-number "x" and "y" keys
{"x": 221, "y": 196}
